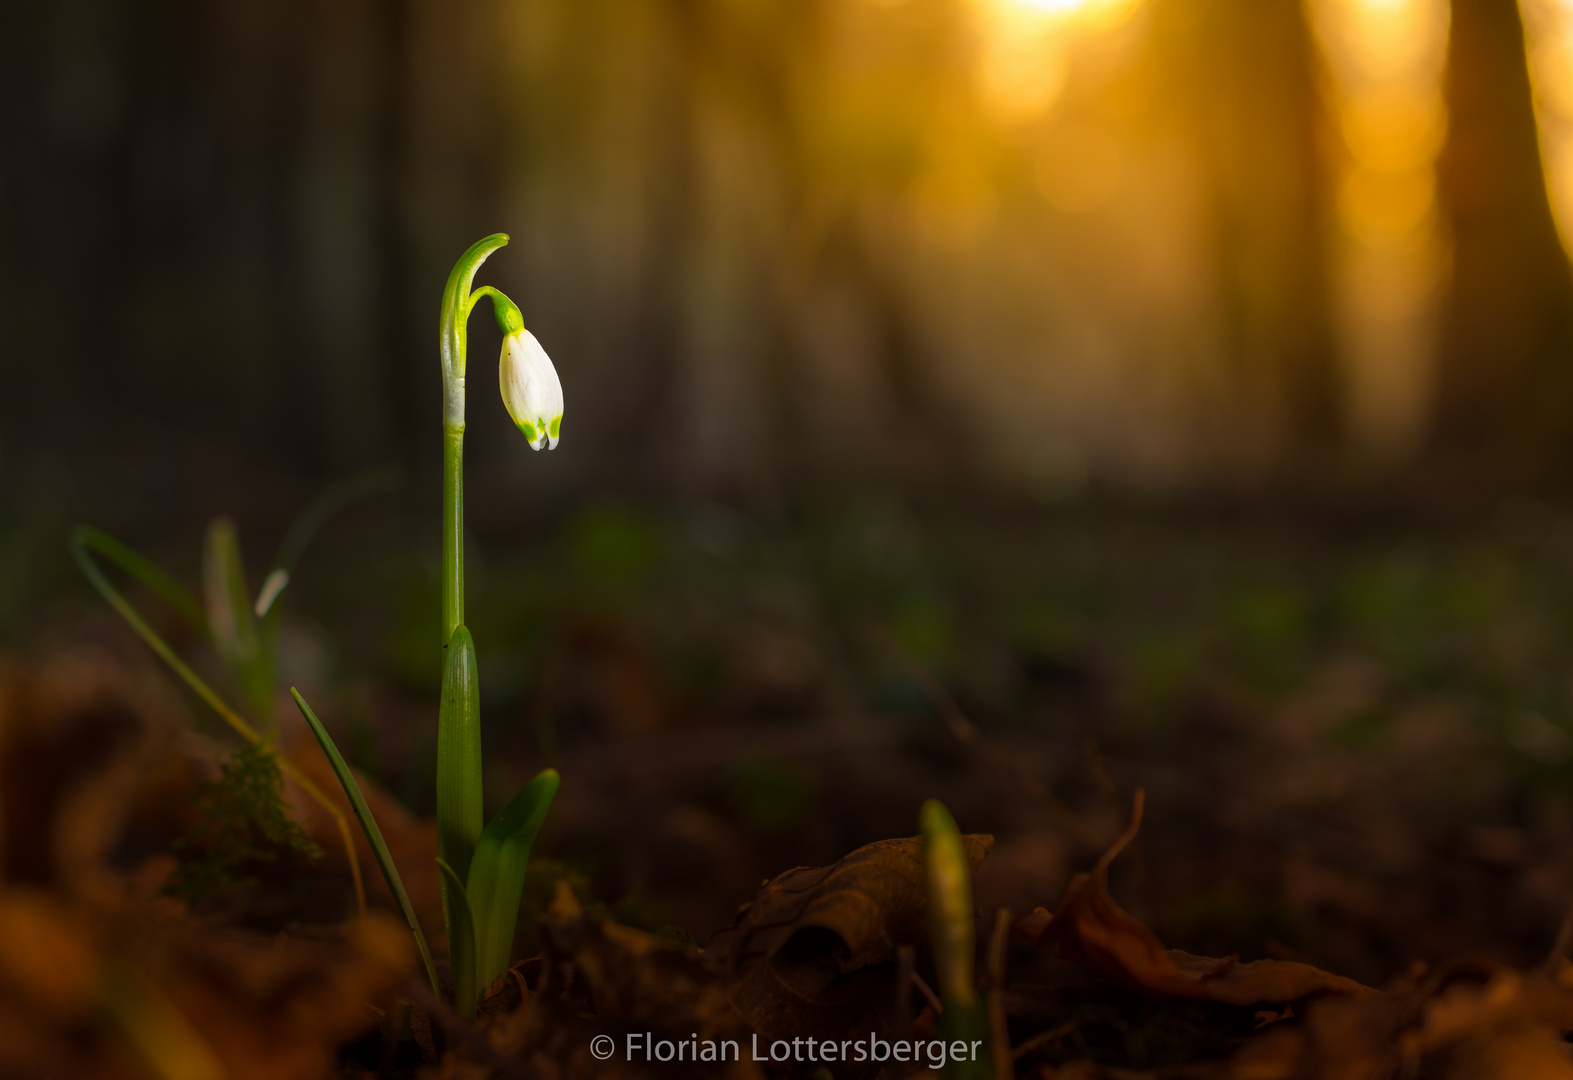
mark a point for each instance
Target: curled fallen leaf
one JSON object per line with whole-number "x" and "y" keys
{"x": 1090, "y": 929}
{"x": 813, "y": 953}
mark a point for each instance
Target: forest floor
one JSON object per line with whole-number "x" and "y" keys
{"x": 1351, "y": 743}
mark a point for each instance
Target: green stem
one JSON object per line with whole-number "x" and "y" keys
{"x": 453, "y": 341}
{"x": 452, "y": 530}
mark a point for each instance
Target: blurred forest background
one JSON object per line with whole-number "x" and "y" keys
{"x": 1157, "y": 245}
{"x": 1193, "y": 377}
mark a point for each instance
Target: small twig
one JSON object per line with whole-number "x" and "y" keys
{"x": 1146, "y": 885}
{"x": 456, "y": 1025}
{"x": 999, "y": 1029}
{"x": 928, "y": 993}
{"x": 1138, "y": 804}
{"x": 1043, "y": 1037}
{"x": 524, "y": 987}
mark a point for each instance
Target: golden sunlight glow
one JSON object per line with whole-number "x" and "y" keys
{"x": 1384, "y": 62}
{"x": 1548, "y": 32}
{"x": 1026, "y": 45}
{"x": 1078, "y": 168}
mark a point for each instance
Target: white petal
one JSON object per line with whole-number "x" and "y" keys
{"x": 531, "y": 391}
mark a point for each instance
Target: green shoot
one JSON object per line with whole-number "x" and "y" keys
{"x": 461, "y": 943}
{"x": 496, "y": 878}
{"x": 232, "y": 621}
{"x": 484, "y": 911}
{"x": 368, "y": 824}
{"x": 950, "y": 909}
{"x": 83, "y": 542}
{"x": 244, "y": 634}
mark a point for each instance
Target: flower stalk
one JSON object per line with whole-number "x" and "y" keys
{"x": 481, "y": 865}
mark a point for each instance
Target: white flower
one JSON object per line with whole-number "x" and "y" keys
{"x": 530, "y": 389}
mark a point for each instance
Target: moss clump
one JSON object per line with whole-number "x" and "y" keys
{"x": 241, "y": 823}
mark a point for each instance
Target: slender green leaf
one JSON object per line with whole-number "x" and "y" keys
{"x": 82, "y": 542}
{"x": 459, "y": 811}
{"x": 368, "y": 824}
{"x": 461, "y": 944}
{"x": 497, "y": 874}
{"x": 311, "y": 520}
{"x": 166, "y": 587}
{"x": 231, "y": 618}
{"x": 83, "y": 538}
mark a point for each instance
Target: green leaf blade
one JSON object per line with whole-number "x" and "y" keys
{"x": 368, "y": 824}
{"x": 496, "y": 880}
{"x": 461, "y": 944}
{"x": 231, "y": 616}
{"x": 85, "y": 538}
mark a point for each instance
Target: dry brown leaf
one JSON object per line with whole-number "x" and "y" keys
{"x": 89, "y": 967}
{"x": 1509, "y": 1026}
{"x": 1092, "y": 930}
{"x": 72, "y": 749}
{"x": 604, "y": 979}
{"x": 811, "y": 954}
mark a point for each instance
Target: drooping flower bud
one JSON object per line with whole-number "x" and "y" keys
{"x": 530, "y": 389}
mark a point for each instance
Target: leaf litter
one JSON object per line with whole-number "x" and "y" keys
{"x": 101, "y": 975}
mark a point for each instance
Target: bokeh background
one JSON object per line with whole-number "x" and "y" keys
{"x": 1187, "y": 385}
{"x": 1159, "y": 245}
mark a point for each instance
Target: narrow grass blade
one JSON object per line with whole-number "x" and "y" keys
{"x": 82, "y": 542}
{"x": 459, "y": 811}
{"x": 461, "y": 944}
{"x": 167, "y": 588}
{"x": 311, "y": 520}
{"x": 497, "y": 874}
{"x": 230, "y": 615}
{"x": 368, "y": 824}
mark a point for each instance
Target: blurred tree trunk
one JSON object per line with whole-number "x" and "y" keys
{"x": 1504, "y": 406}
{"x": 1256, "y": 112}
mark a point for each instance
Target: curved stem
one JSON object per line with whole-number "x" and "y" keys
{"x": 84, "y": 538}
{"x": 453, "y": 338}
